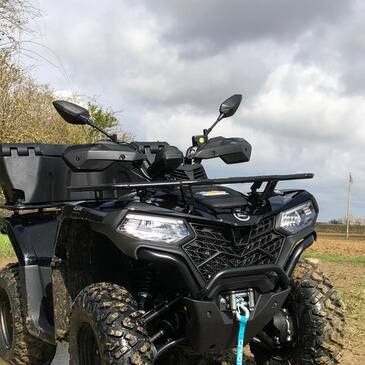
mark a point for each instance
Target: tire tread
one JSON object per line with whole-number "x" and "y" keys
{"x": 324, "y": 332}
{"x": 118, "y": 323}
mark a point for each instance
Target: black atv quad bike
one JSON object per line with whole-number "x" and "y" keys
{"x": 128, "y": 252}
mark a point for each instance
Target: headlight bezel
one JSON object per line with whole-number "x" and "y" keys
{"x": 151, "y": 236}
{"x": 294, "y": 229}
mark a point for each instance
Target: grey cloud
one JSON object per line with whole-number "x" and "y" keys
{"x": 338, "y": 47}
{"x": 219, "y": 24}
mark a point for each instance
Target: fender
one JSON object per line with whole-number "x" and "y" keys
{"x": 32, "y": 237}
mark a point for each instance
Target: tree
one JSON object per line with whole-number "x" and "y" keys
{"x": 15, "y": 19}
{"x": 106, "y": 119}
{"x": 26, "y": 111}
{"x": 336, "y": 221}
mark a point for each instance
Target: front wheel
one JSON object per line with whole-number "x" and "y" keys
{"x": 313, "y": 320}
{"x": 106, "y": 329}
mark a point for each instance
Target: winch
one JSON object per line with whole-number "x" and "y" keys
{"x": 228, "y": 302}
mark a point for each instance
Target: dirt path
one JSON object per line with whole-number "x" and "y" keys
{"x": 339, "y": 246}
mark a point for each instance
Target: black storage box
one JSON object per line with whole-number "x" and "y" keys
{"x": 40, "y": 174}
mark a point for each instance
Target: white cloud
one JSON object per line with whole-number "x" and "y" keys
{"x": 308, "y": 103}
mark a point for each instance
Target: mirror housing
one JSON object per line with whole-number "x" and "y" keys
{"x": 230, "y": 106}
{"x": 76, "y": 114}
{"x": 72, "y": 113}
{"x": 226, "y": 109}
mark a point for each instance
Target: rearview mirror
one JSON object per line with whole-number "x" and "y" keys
{"x": 227, "y": 109}
{"x": 72, "y": 113}
{"x": 230, "y": 106}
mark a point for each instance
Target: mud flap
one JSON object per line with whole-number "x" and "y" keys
{"x": 35, "y": 281}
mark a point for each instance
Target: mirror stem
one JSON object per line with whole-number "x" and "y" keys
{"x": 113, "y": 137}
{"x": 207, "y": 131}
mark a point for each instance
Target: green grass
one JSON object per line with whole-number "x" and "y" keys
{"x": 331, "y": 257}
{"x": 339, "y": 228}
{"x": 6, "y": 249}
{"x": 354, "y": 299}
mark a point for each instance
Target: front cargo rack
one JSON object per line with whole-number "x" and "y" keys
{"x": 186, "y": 186}
{"x": 257, "y": 181}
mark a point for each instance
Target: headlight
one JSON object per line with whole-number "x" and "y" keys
{"x": 298, "y": 218}
{"x": 153, "y": 228}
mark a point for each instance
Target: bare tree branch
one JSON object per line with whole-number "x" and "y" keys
{"x": 16, "y": 17}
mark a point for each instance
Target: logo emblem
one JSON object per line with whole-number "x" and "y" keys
{"x": 241, "y": 215}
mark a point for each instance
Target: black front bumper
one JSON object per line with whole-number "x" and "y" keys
{"x": 210, "y": 329}
{"x": 229, "y": 279}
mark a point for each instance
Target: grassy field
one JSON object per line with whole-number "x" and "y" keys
{"x": 6, "y": 249}
{"x": 343, "y": 261}
{"x": 340, "y": 229}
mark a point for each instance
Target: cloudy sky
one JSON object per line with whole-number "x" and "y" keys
{"x": 167, "y": 65}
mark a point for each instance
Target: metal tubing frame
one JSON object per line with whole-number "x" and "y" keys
{"x": 221, "y": 181}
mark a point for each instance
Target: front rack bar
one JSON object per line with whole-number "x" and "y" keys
{"x": 188, "y": 183}
{"x": 184, "y": 185}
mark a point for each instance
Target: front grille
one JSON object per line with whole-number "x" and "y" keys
{"x": 200, "y": 173}
{"x": 179, "y": 175}
{"x": 189, "y": 172}
{"x": 213, "y": 251}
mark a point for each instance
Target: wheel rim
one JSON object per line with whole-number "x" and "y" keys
{"x": 283, "y": 354}
{"x": 88, "y": 349}
{"x": 6, "y": 321}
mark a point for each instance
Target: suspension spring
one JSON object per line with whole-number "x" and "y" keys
{"x": 143, "y": 275}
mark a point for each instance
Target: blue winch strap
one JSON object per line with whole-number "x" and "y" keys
{"x": 241, "y": 340}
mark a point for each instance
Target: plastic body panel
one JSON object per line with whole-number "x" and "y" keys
{"x": 166, "y": 160}
{"x": 33, "y": 238}
{"x": 220, "y": 198}
{"x": 150, "y": 149}
{"x": 230, "y": 150}
{"x": 41, "y": 174}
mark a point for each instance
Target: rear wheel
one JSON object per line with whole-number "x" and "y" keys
{"x": 6, "y": 321}
{"x": 106, "y": 328}
{"x": 17, "y": 346}
{"x": 310, "y": 328}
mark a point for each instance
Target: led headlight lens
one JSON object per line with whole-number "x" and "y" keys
{"x": 298, "y": 218}
{"x": 154, "y": 228}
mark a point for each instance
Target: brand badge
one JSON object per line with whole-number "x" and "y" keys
{"x": 241, "y": 215}
{"x": 212, "y": 193}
